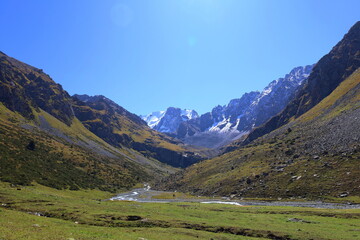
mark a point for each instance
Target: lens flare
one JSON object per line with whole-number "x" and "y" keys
{"x": 121, "y": 15}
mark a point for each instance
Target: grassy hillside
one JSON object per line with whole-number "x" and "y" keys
{"x": 56, "y": 140}
{"x": 29, "y": 154}
{"x": 48, "y": 151}
{"x": 120, "y": 128}
{"x": 25, "y": 89}
{"x": 314, "y": 156}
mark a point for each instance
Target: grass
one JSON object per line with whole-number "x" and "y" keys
{"x": 82, "y": 215}
{"x": 32, "y": 227}
{"x": 236, "y": 172}
{"x": 67, "y": 156}
{"x": 173, "y": 195}
{"x": 57, "y": 163}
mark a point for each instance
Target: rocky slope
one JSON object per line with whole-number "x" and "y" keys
{"x": 61, "y": 141}
{"x": 24, "y": 88}
{"x": 314, "y": 156}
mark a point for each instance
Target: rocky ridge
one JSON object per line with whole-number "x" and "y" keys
{"x": 327, "y": 74}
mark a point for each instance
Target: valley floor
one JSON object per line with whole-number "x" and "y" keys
{"x": 147, "y": 195}
{"x": 38, "y": 212}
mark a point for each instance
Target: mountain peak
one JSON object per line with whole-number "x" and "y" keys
{"x": 101, "y": 102}
{"x": 229, "y": 122}
{"x": 355, "y": 28}
{"x": 88, "y": 98}
{"x": 168, "y": 121}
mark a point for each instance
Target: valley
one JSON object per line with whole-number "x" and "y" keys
{"x": 82, "y": 163}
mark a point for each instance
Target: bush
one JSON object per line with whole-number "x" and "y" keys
{"x": 31, "y": 145}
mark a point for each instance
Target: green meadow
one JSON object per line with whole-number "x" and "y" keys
{"x": 38, "y": 212}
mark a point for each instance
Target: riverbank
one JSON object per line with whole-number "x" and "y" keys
{"x": 146, "y": 195}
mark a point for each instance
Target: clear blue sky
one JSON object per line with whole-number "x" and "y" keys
{"x": 147, "y": 55}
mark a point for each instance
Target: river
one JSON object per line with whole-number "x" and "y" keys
{"x": 147, "y": 195}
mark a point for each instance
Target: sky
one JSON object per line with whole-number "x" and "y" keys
{"x": 147, "y": 55}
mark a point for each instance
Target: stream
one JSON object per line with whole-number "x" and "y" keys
{"x": 147, "y": 195}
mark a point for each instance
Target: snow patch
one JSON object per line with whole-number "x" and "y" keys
{"x": 153, "y": 118}
{"x": 221, "y": 202}
{"x": 169, "y": 120}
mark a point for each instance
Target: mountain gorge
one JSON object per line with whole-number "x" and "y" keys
{"x": 299, "y": 137}
{"x": 309, "y": 150}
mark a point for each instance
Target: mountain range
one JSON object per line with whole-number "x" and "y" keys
{"x": 225, "y": 124}
{"x": 299, "y": 137}
{"x": 169, "y": 121}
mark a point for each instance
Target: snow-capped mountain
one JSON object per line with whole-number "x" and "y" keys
{"x": 277, "y": 95}
{"x": 153, "y": 118}
{"x": 227, "y": 123}
{"x": 168, "y": 121}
